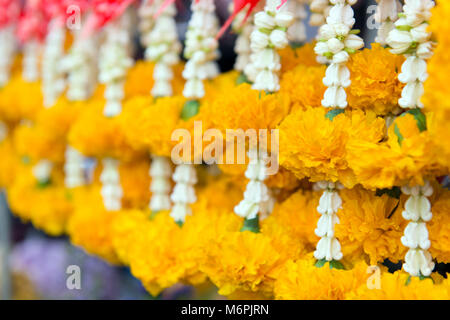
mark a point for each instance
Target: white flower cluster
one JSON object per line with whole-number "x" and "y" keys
{"x": 81, "y": 65}
{"x": 114, "y": 62}
{"x": 242, "y": 44}
{"x": 418, "y": 260}
{"x": 42, "y": 170}
{"x": 7, "y": 50}
{"x": 257, "y": 197}
{"x": 297, "y": 31}
{"x": 146, "y": 13}
{"x": 336, "y": 43}
{"x": 164, "y": 49}
{"x": 183, "y": 193}
{"x": 201, "y": 48}
{"x": 53, "y": 79}
{"x": 111, "y": 189}
{"x": 269, "y": 34}
{"x": 160, "y": 172}
{"x": 410, "y": 38}
{"x": 330, "y": 202}
{"x": 73, "y": 168}
{"x": 319, "y": 11}
{"x": 30, "y": 63}
{"x": 385, "y": 16}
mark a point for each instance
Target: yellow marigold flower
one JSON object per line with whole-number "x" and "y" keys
{"x": 153, "y": 123}
{"x": 219, "y": 85}
{"x": 311, "y": 145}
{"x": 304, "y": 85}
{"x": 248, "y": 263}
{"x": 9, "y": 162}
{"x": 374, "y": 75}
{"x": 153, "y": 257}
{"x": 243, "y": 261}
{"x": 298, "y": 216}
{"x": 161, "y": 254}
{"x": 393, "y": 286}
{"x": 90, "y": 226}
{"x": 95, "y": 135}
{"x": 15, "y": 105}
{"x": 47, "y": 207}
{"x": 291, "y": 57}
{"x": 47, "y": 136}
{"x": 439, "y": 227}
{"x": 126, "y": 230}
{"x": 245, "y": 108}
{"x": 302, "y": 280}
{"x": 406, "y": 157}
{"x": 436, "y": 85}
{"x": 370, "y": 226}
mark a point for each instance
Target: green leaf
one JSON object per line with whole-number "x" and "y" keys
{"x": 179, "y": 223}
{"x": 43, "y": 184}
{"x": 251, "y": 225}
{"x": 421, "y": 119}
{"x": 422, "y": 277}
{"x": 264, "y": 30}
{"x": 355, "y": 31}
{"x": 328, "y": 55}
{"x": 25, "y": 159}
{"x": 404, "y": 28}
{"x": 320, "y": 263}
{"x": 394, "y": 192}
{"x": 242, "y": 78}
{"x": 399, "y": 135}
{"x": 350, "y": 50}
{"x": 408, "y": 281}
{"x": 336, "y": 265}
{"x": 190, "y": 109}
{"x": 69, "y": 195}
{"x": 296, "y": 45}
{"x": 333, "y": 113}
{"x": 153, "y": 214}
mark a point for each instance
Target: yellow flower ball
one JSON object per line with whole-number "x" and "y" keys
{"x": 311, "y": 145}
{"x": 374, "y": 75}
{"x": 302, "y": 280}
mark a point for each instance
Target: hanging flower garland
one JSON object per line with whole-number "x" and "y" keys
{"x": 53, "y": 82}
{"x": 336, "y": 42}
{"x": 163, "y": 48}
{"x": 269, "y": 34}
{"x": 385, "y": 16}
{"x": 201, "y": 49}
{"x": 31, "y": 31}
{"x": 319, "y": 11}
{"x": 410, "y": 38}
{"x": 297, "y": 31}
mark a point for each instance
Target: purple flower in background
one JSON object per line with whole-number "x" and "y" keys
{"x": 44, "y": 261}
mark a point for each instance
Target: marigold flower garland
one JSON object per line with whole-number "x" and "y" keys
{"x": 163, "y": 48}
{"x": 386, "y": 14}
{"x": 269, "y": 34}
{"x": 336, "y": 42}
{"x": 410, "y": 37}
